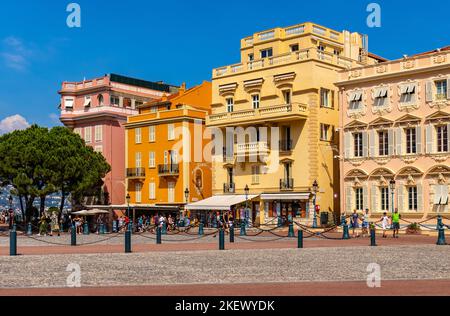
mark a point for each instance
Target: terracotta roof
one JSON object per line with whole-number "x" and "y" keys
{"x": 443, "y": 49}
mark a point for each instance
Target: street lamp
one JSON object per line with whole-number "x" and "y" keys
{"x": 128, "y": 204}
{"x": 392, "y": 187}
{"x": 186, "y": 195}
{"x": 11, "y": 212}
{"x": 315, "y": 188}
{"x": 246, "y": 204}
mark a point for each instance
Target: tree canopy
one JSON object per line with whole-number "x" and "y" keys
{"x": 40, "y": 161}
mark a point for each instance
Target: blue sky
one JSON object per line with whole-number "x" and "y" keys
{"x": 174, "y": 41}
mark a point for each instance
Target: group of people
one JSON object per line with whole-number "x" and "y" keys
{"x": 387, "y": 223}
{"x": 6, "y": 217}
{"x": 48, "y": 224}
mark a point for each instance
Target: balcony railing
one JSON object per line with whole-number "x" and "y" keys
{"x": 255, "y": 148}
{"x": 287, "y": 184}
{"x": 135, "y": 172}
{"x": 169, "y": 170}
{"x": 441, "y": 96}
{"x": 286, "y": 145}
{"x": 229, "y": 188}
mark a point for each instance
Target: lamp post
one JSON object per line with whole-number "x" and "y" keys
{"x": 11, "y": 212}
{"x": 392, "y": 187}
{"x": 186, "y": 197}
{"x": 128, "y": 204}
{"x": 246, "y": 204}
{"x": 315, "y": 188}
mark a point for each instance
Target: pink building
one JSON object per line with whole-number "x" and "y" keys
{"x": 395, "y": 126}
{"x": 97, "y": 110}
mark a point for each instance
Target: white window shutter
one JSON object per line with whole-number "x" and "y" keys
{"x": 348, "y": 199}
{"x": 429, "y": 91}
{"x": 419, "y": 139}
{"x": 347, "y": 145}
{"x": 429, "y": 139}
{"x": 374, "y": 195}
{"x": 448, "y": 89}
{"x": 437, "y": 194}
{"x": 420, "y": 198}
{"x": 448, "y": 136}
{"x": 391, "y": 142}
{"x": 372, "y": 143}
{"x": 398, "y": 141}
{"x": 400, "y": 197}
{"x": 365, "y": 197}
{"x": 365, "y": 144}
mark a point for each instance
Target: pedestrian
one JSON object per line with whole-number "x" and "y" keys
{"x": 365, "y": 224}
{"x": 396, "y": 223}
{"x": 385, "y": 224}
{"x": 43, "y": 225}
{"x": 354, "y": 223}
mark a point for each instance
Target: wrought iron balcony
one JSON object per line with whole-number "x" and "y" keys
{"x": 286, "y": 145}
{"x": 136, "y": 173}
{"x": 169, "y": 170}
{"x": 229, "y": 188}
{"x": 287, "y": 184}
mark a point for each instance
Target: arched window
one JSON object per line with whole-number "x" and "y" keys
{"x": 100, "y": 100}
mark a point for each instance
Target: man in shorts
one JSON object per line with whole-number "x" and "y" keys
{"x": 396, "y": 222}
{"x": 365, "y": 224}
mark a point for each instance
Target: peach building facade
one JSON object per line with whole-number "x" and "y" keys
{"x": 395, "y": 125}
{"x": 97, "y": 110}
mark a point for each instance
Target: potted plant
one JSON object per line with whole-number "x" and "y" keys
{"x": 413, "y": 229}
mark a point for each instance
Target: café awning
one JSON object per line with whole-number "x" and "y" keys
{"x": 219, "y": 203}
{"x": 286, "y": 197}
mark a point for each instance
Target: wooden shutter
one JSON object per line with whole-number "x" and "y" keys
{"x": 419, "y": 139}
{"x": 372, "y": 141}
{"x": 374, "y": 195}
{"x": 365, "y": 197}
{"x": 365, "y": 144}
{"x": 391, "y": 142}
{"x": 347, "y": 145}
{"x": 448, "y": 136}
{"x": 448, "y": 89}
{"x": 400, "y": 197}
{"x": 429, "y": 139}
{"x": 398, "y": 141}
{"x": 420, "y": 198}
{"x": 348, "y": 199}
{"x": 429, "y": 91}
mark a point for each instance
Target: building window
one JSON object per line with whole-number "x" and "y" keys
{"x": 87, "y": 101}
{"x": 68, "y": 103}
{"x": 255, "y": 174}
{"x": 411, "y": 138}
{"x": 251, "y": 57}
{"x": 151, "y": 134}
{"x": 255, "y": 101}
{"x": 152, "y": 191}
{"x": 77, "y": 131}
{"x": 358, "y": 144}
{"x": 266, "y": 53}
{"x": 138, "y": 104}
{"x": 337, "y": 52}
{"x": 384, "y": 199}
{"x": 287, "y": 96}
{"x": 383, "y": 143}
{"x": 138, "y": 136}
{"x": 88, "y": 134}
{"x": 359, "y": 199}
{"x": 138, "y": 160}
{"x": 295, "y": 48}
{"x": 126, "y": 102}
{"x": 98, "y": 149}
{"x": 153, "y": 109}
{"x": 324, "y": 132}
{"x": 138, "y": 190}
{"x": 355, "y": 101}
{"x": 98, "y": 133}
{"x": 441, "y": 90}
{"x": 152, "y": 160}
{"x": 412, "y": 199}
{"x": 171, "y": 132}
{"x": 230, "y": 105}
{"x": 115, "y": 101}
{"x": 442, "y": 138}
{"x": 325, "y": 98}
{"x": 408, "y": 93}
{"x": 381, "y": 97}
{"x": 171, "y": 192}
{"x": 101, "y": 100}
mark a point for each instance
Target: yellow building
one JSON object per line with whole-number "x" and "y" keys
{"x": 165, "y": 151}
{"x": 280, "y": 103}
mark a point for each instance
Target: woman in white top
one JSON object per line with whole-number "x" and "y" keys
{"x": 385, "y": 224}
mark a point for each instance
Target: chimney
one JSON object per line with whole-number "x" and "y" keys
{"x": 182, "y": 89}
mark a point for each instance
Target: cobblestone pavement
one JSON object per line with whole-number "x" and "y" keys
{"x": 229, "y": 267}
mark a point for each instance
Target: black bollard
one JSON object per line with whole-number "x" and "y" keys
{"x": 128, "y": 241}
{"x": 73, "y": 236}
{"x": 158, "y": 235}
{"x": 13, "y": 241}
{"x": 222, "y": 239}
{"x": 345, "y": 234}
{"x": 300, "y": 239}
{"x": 232, "y": 234}
{"x": 373, "y": 242}
{"x": 441, "y": 237}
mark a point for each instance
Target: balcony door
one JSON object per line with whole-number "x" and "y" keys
{"x": 230, "y": 177}
{"x": 286, "y": 141}
{"x": 287, "y": 171}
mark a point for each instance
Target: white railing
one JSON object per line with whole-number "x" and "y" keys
{"x": 252, "y": 148}
{"x": 319, "y": 30}
{"x": 100, "y": 109}
{"x": 295, "y": 30}
{"x": 249, "y": 41}
{"x": 266, "y": 35}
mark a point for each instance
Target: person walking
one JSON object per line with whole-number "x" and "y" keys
{"x": 396, "y": 223}
{"x": 385, "y": 224}
{"x": 365, "y": 224}
{"x": 354, "y": 223}
{"x": 43, "y": 225}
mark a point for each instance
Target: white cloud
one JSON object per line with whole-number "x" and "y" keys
{"x": 13, "y": 123}
{"x": 15, "y": 53}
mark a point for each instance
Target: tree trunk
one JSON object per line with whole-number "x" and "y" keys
{"x": 61, "y": 207}
{"x": 29, "y": 200}
{"x": 42, "y": 208}
{"x": 21, "y": 208}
